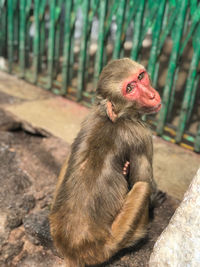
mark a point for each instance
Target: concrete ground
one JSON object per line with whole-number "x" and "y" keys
{"x": 36, "y": 130}
{"x": 174, "y": 167}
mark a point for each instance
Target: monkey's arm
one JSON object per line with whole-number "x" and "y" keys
{"x": 141, "y": 170}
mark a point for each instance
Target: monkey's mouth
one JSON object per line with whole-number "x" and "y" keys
{"x": 155, "y": 109}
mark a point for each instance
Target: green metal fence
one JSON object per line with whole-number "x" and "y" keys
{"x": 62, "y": 46}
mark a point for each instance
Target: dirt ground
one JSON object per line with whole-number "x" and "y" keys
{"x": 30, "y": 160}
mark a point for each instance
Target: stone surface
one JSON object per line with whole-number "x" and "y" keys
{"x": 19, "y": 209}
{"x": 29, "y": 165}
{"x": 179, "y": 244}
{"x": 37, "y": 228}
{"x": 9, "y": 251}
{"x": 56, "y": 115}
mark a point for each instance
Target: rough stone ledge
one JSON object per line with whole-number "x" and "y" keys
{"x": 179, "y": 244}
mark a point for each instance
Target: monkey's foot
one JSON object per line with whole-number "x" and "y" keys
{"x": 126, "y": 168}
{"x": 158, "y": 198}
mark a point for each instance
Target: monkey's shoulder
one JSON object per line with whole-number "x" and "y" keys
{"x": 135, "y": 134}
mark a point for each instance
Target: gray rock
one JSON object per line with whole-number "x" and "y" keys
{"x": 37, "y": 228}
{"x": 9, "y": 251}
{"x": 26, "y": 203}
{"x": 18, "y": 210}
{"x": 14, "y": 219}
{"x": 179, "y": 244}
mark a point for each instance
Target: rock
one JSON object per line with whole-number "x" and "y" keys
{"x": 37, "y": 228}
{"x": 40, "y": 259}
{"x": 9, "y": 251}
{"x": 9, "y": 122}
{"x": 18, "y": 210}
{"x": 4, "y": 231}
{"x": 14, "y": 182}
{"x": 26, "y": 203}
{"x": 179, "y": 244}
{"x": 14, "y": 219}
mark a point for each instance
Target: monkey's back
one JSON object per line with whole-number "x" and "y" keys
{"x": 93, "y": 189}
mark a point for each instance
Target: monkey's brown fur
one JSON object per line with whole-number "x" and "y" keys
{"x": 97, "y": 210}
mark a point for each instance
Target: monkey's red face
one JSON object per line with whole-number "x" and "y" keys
{"x": 138, "y": 88}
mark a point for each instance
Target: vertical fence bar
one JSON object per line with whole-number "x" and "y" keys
{"x": 71, "y": 60}
{"x": 51, "y": 44}
{"x": 10, "y": 34}
{"x": 148, "y": 19}
{"x": 93, "y": 6}
{"x": 120, "y": 19}
{"x": 171, "y": 101}
{"x": 57, "y": 35}
{"x": 75, "y": 6}
{"x": 137, "y": 29}
{"x": 42, "y": 33}
{"x": 111, "y": 10}
{"x": 57, "y": 47}
{"x": 42, "y": 42}
{"x": 196, "y": 83}
{"x": 66, "y": 47}
{"x": 190, "y": 90}
{"x": 100, "y": 47}
{"x": 168, "y": 28}
{"x": 22, "y": 29}
{"x": 155, "y": 76}
{"x": 83, "y": 50}
{"x": 2, "y": 29}
{"x": 36, "y": 41}
{"x": 131, "y": 11}
{"x": 172, "y": 66}
{"x": 155, "y": 39}
{"x": 193, "y": 6}
{"x": 15, "y": 30}
{"x": 27, "y": 33}
{"x": 197, "y": 140}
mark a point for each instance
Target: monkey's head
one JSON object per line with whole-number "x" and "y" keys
{"x": 125, "y": 84}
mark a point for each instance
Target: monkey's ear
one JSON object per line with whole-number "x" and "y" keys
{"x": 110, "y": 111}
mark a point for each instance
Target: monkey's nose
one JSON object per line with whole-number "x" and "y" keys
{"x": 151, "y": 95}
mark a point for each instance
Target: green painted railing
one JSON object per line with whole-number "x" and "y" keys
{"x": 62, "y": 46}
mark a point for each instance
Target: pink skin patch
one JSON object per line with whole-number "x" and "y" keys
{"x": 140, "y": 90}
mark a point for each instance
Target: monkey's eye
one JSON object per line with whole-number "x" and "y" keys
{"x": 130, "y": 87}
{"x": 141, "y": 76}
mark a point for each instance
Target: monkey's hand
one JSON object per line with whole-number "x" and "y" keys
{"x": 126, "y": 168}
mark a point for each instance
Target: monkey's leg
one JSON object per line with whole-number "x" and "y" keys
{"x": 127, "y": 228}
{"x": 129, "y": 225}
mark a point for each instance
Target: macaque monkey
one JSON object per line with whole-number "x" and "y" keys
{"x": 105, "y": 189}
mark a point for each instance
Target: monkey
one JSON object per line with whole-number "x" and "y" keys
{"x": 105, "y": 188}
